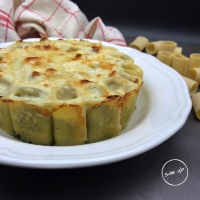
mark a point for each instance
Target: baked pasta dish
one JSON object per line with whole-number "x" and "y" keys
{"x": 66, "y": 92}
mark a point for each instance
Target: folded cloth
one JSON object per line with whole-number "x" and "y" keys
{"x": 20, "y": 19}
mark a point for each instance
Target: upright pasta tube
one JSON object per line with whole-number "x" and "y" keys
{"x": 108, "y": 123}
{"x": 180, "y": 64}
{"x": 168, "y": 46}
{"x": 194, "y": 60}
{"x": 29, "y": 125}
{"x": 69, "y": 125}
{"x": 5, "y": 118}
{"x": 196, "y": 104}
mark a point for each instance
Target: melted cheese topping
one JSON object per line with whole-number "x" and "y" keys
{"x": 65, "y": 71}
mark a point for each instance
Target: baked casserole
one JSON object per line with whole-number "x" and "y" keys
{"x": 66, "y": 92}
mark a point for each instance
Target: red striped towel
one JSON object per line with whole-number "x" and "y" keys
{"x": 20, "y": 19}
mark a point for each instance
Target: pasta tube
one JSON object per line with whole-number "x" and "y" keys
{"x": 178, "y": 50}
{"x": 29, "y": 125}
{"x": 192, "y": 85}
{"x": 180, "y": 64}
{"x": 5, "y": 118}
{"x": 139, "y": 43}
{"x": 69, "y": 129}
{"x": 165, "y": 57}
{"x": 168, "y": 46}
{"x": 153, "y": 47}
{"x": 194, "y": 60}
{"x": 194, "y": 74}
{"x": 196, "y": 104}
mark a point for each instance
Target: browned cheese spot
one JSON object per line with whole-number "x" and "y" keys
{"x": 78, "y": 56}
{"x": 35, "y": 73}
{"x": 113, "y": 73}
{"x": 7, "y": 101}
{"x": 46, "y": 85}
{"x": 109, "y": 98}
{"x": 96, "y": 48}
{"x": 47, "y": 47}
{"x": 50, "y": 72}
{"x": 136, "y": 80}
{"x": 107, "y": 65}
{"x": 85, "y": 81}
{"x": 33, "y": 61}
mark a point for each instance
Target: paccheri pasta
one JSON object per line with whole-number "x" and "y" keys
{"x": 196, "y": 104}
{"x": 66, "y": 92}
{"x": 139, "y": 43}
{"x": 168, "y": 46}
{"x": 192, "y": 85}
{"x": 170, "y": 54}
{"x": 194, "y": 60}
{"x": 194, "y": 74}
{"x": 180, "y": 64}
{"x": 165, "y": 57}
{"x": 178, "y": 51}
{"x": 153, "y": 47}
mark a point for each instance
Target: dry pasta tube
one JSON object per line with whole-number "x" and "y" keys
{"x": 180, "y": 64}
{"x": 196, "y": 104}
{"x": 139, "y": 43}
{"x": 153, "y": 47}
{"x": 192, "y": 85}
{"x": 165, "y": 57}
{"x": 178, "y": 50}
{"x": 194, "y": 74}
{"x": 168, "y": 46}
{"x": 194, "y": 60}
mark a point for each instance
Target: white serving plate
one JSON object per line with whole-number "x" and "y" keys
{"x": 163, "y": 106}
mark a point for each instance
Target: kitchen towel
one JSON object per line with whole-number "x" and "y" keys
{"x": 20, "y": 19}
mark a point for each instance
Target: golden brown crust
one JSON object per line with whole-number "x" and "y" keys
{"x": 50, "y": 78}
